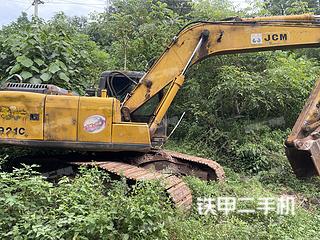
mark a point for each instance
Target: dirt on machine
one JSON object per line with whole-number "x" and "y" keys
{"x": 121, "y": 125}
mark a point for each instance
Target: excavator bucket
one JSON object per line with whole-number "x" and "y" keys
{"x": 303, "y": 144}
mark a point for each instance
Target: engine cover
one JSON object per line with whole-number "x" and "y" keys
{"x": 73, "y": 122}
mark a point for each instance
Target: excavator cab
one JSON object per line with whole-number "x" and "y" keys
{"x": 118, "y": 84}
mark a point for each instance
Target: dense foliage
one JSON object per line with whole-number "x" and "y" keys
{"x": 50, "y": 52}
{"x": 92, "y": 206}
{"x": 287, "y": 7}
{"x": 32, "y": 208}
{"x": 239, "y": 109}
{"x": 134, "y": 32}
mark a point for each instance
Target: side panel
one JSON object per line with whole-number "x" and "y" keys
{"x": 132, "y": 133}
{"x": 95, "y": 119}
{"x": 21, "y": 115}
{"x": 61, "y": 113}
{"x": 116, "y": 111}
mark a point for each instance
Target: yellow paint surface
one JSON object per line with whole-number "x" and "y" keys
{"x": 131, "y": 133}
{"x": 92, "y": 111}
{"x": 15, "y": 110}
{"x": 61, "y": 118}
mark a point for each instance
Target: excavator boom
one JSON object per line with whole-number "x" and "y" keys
{"x": 201, "y": 40}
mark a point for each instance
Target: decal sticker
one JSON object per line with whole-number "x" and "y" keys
{"x": 12, "y": 112}
{"x": 269, "y": 38}
{"x": 256, "y": 38}
{"x": 276, "y": 37}
{"x": 94, "y": 124}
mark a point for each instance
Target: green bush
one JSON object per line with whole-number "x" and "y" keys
{"x": 135, "y": 32}
{"x": 226, "y": 88}
{"x": 51, "y": 53}
{"x": 91, "y": 206}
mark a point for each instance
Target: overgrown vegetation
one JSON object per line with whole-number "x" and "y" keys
{"x": 239, "y": 110}
{"x": 82, "y": 208}
{"x": 50, "y": 52}
{"x": 92, "y": 206}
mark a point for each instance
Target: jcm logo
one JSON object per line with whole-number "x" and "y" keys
{"x": 276, "y": 37}
{"x": 259, "y": 38}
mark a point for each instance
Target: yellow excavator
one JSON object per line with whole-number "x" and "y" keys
{"x": 121, "y": 126}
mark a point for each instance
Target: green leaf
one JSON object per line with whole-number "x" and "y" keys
{"x": 26, "y": 75}
{"x": 125, "y": 236}
{"x": 16, "y": 68}
{"x": 33, "y": 68}
{"x": 35, "y": 80}
{"x": 84, "y": 54}
{"x": 39, "y": 62}
{"x": 46, "y": 77}
{"x": 25, "y": 61}
{"x": 62, "y": 65}
{"x": 53, "y": 68}
{"x": 63, "y": 76}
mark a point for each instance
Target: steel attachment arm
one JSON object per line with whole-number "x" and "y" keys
{"x": 243, "y": 35}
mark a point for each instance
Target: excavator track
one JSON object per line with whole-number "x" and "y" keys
{"x": 182, "y": 164}
{"x": 178, "y": 191}
{"x": 165, "y": 166}
{"x": 217, "y": 170}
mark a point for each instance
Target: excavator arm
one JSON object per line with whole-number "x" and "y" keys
{"x": 200, "y": 40}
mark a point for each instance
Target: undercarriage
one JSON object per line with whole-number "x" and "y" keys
{"x": 168, "y": 167}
